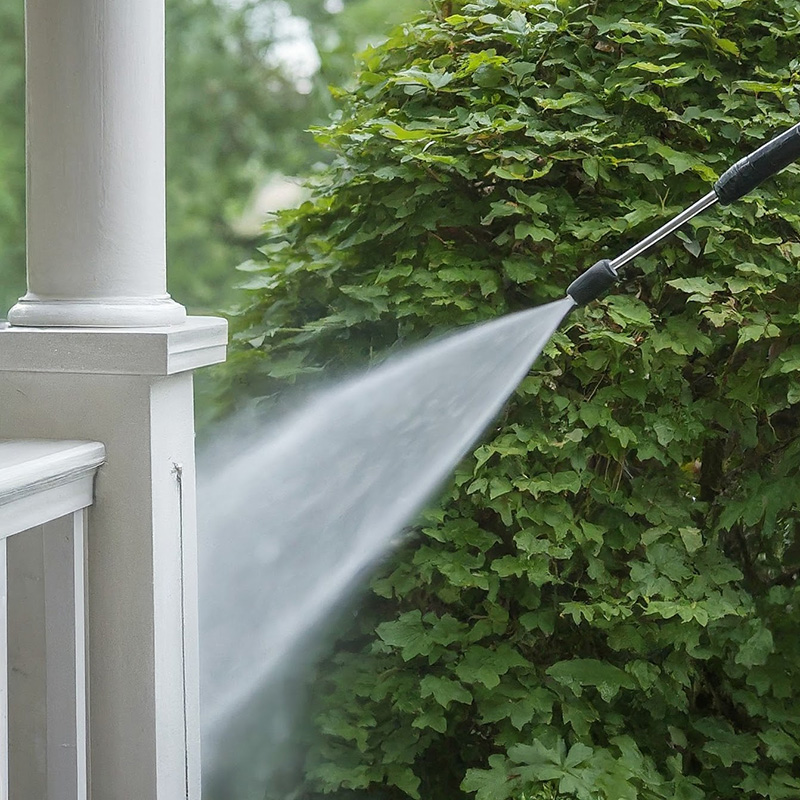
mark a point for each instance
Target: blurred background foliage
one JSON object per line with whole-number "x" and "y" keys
{"x": 245, "y": 80}
{"x": 12, "y": 154}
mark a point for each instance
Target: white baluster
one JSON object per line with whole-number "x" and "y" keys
{"x": 65, "y": 644}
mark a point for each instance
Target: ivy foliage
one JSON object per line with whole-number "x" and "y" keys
{"x": 605, "y": 604}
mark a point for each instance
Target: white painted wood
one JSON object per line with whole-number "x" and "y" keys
{"x": 177, "y": 689}
{"x": 27, "y": 667}
{"x": 96, "y": 248}
{"x": 65, "y": 646}
{"x": 30, "y": 466}
{"x": 80, "y": 607}
{"x": 141, "y": 568}
{"x": 43, "y": 695}
{"x": 36, "y": 509}
{"x": 46, "y": 676}
{"x": 96, "y": 165}
{"x": 43, "y": 480}
{"x": 3, "y": 674}
{"x": 198, "y": 342}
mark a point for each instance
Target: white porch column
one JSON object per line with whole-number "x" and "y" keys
{"x": 96, "y": 165}
{"x": 97, "y": 350}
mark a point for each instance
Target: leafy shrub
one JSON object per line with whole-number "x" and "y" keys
{"x": 605, "y": 604}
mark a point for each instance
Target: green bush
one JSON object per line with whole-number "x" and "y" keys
{"x": 605, "y": 603}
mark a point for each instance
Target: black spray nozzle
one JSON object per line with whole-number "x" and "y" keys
{"x": 744, "y": 176}
{"x": 597, "y": 280}
{"x": 751, "y": 171}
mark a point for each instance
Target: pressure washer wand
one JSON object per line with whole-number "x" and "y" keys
{"x": 744, "y": 176}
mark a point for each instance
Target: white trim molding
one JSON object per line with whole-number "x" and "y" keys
{"x": 43, "y": 480}
{"x": 45, "y": 488}
{"x": 166, "y": 350}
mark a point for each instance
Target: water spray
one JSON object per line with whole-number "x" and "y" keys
{"x": 375, "y": 448}
{"x": 744, "y": 176}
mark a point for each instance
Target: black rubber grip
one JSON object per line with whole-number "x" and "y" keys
{"x": 754, "y": 169}
{"x": 597, "y": 280}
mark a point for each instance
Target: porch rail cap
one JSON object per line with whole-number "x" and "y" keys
{"x": 30, "y": 466}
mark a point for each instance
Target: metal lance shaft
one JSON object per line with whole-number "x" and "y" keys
{"x": 658, "y": 236}
{"x": 744, "y": 176}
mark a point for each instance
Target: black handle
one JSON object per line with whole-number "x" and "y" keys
{"x": 754, "y": 169}
{"x": 597, "y": 280}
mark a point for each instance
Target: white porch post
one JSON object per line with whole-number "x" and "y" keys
{"x": 98, "y": 351}
{"x": 96, "y": 165}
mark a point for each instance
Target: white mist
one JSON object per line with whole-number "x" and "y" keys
{"x": 291, "y": 520}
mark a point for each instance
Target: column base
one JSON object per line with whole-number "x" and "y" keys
{"x": 113, "y": 312}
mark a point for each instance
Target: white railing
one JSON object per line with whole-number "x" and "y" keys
{"x": 45, "y": 488}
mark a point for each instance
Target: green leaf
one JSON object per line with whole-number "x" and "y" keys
{"x": 757, "y": 649}
{"x": 433, "y": 718}
{"x": 498, "y": 487}
{"x": 407, "y": 634}
{"x": 444, "y": 691}
{"x": 628, "y": 311}
{"x": 404, "y": 779}
{"x": 700, "y": 289}
{"x": 726, "y": 745}
{"x": 485, "y": 666}
{"x": 391, "y": 130}
{"x": 780, "y": 746}
{"x": 495, "y": 783}
{"x": 537, "y": 233}
{"x": 581, "y": 672}
{"x": 760, "y": 328}
{"x": 692, "y": 539}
